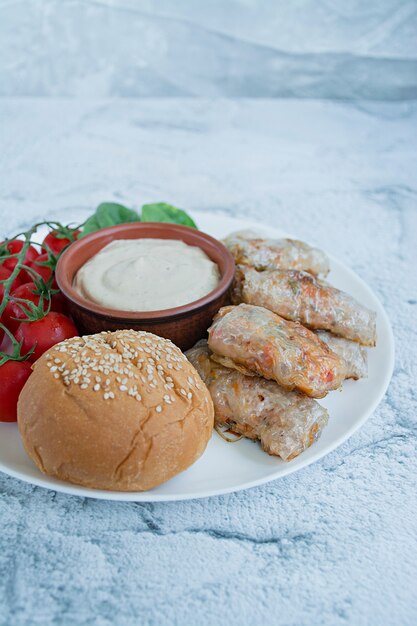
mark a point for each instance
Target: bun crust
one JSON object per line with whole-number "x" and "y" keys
{"x": 122, "y": 411}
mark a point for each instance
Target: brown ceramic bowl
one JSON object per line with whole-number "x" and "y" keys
{"x": 184, "y": 325}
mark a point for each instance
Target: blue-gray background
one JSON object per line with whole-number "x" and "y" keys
{"x": 132, "y": 48}
{"x": 301, "y": 114}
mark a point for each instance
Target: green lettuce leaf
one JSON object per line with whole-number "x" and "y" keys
{"x": 109, "y": 214}
{"x": 163, "y": 212}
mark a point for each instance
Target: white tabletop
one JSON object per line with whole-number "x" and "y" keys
{"x": 332, "y": 544}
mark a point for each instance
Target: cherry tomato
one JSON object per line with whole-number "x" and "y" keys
{"x": 14, "y": 246}
{"x": 13, "y": 375}
{"x": 43, "y": 271}
{"x": 58, "y": 303}
{"x": 57, "y": 244}
{"x": 14, "y": 309}
{"x": 44, "y": 333}
{"x": 1, "y": 335}
{"x": 4, "y": 275}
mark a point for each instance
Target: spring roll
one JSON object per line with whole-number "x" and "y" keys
{"x": 270, "y": 254}
{"x": 353, "y": 354}
{"x": 300, "y": 297}
{"x": 285, "y": 422}
{"x": 253, "y": 339}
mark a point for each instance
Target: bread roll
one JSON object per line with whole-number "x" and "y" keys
{"x": 120, "y": 410}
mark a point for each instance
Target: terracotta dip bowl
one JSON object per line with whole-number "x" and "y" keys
{"x": 184, "y": 325}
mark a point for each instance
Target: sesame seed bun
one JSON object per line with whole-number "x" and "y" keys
{"x": 120, "y": 410}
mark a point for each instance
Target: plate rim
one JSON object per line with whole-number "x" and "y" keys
{"x": 288, "y": 468}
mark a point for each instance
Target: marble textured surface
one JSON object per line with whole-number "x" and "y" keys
{"x": 334, "y": 544}
{"x": 304, "y": 48}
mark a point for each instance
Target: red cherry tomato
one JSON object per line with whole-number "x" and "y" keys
{"x": 14, "y": 309}
{"x": 1, "y": 335}
{"x": 57, "y": 244}
{"x": 15, "y": 312}
{"x": 42, "y": 270}
{"x": 58, "y": 303}
{"x": 44, "y": 333}
{"x": 14, "y": 246}
{"x": 4, "y": 275}
{"x": 13, "y": 375}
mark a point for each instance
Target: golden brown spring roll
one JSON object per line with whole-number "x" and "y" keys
{"x": 300, "y": 297}
{"x": 270, "y": 254}
{"x": 353, "y": 354}
{"x": 253, "y": 339}
{"x": 285, "y": 422}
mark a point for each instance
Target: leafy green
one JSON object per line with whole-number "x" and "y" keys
{"x": 109, "y": 214}
{"x": 163, "y": 212}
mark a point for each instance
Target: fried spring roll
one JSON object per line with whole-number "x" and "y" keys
{"x": 353, "y": 354}
{"x": 253, "y": 339}
{"x": 300, "y": 297}
{"x": 270, "y": 254}
{"x": 285, "y": 422}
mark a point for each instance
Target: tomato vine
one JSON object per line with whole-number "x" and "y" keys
{"x": 43, "y": 288}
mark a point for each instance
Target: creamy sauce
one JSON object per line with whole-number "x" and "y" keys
{"x": 147, "y": 275}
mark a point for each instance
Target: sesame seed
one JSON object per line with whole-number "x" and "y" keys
{"x": 117, "y": 353}
{"x": 158, "y": 408}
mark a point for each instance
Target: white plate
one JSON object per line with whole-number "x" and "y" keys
{"x": 225, "y": 467}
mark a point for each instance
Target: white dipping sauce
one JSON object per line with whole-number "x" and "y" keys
{"x": 147, "y": 275}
